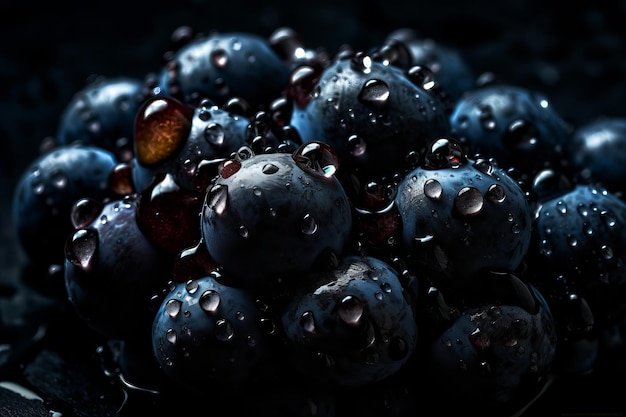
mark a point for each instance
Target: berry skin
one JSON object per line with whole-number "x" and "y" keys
{"x": 46, "y": 191}
{"x": 112, "y": 269}
{"x": 103, "y": 114}
{"x": 579, "y": 242}
{"x": 494, "y": 355}
{"x": 372, "y": 114}
{"x": 208, "y": 335}
{"x": 272, "y": 216}
{"x": 512, "y": 124}
{"x": 350, "y": 326}
{"x": 461, "y": 216}
{"x": 597, "y": 153}
{"x": 224, "y": 65}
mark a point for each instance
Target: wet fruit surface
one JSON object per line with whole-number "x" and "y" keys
{"x": 321, "y": 212}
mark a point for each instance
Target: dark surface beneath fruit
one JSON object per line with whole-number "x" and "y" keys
{"x": 576, "y": 56}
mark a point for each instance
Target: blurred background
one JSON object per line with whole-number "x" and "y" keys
{"x": 48, "y": 50}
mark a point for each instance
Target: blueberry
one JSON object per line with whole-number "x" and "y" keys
{"x": 350, "y": 326}
{"x": 270, "y": 217}
{"x": 46, "y": 191}
{"x": 461, "y": 216}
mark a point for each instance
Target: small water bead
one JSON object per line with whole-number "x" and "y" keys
{"x": 269, "y": 169}
{"x": 608, "y": 219}
{"x": 308, "y": 225}
{"x": 214, "y": 134}
{"x": 223, "y": 330}
{"x": 356, "y": 145}
{"x": 173, "y": 307}
{"x": 350, "y": 310}
{"x": 607, "y": 252}
{"x": 375, "y": 93}
{"x": 85, "y": 211}
{"x": 433, "y": 189}
{"x": 572, "y": 241}
{"x": 386, "y": 287}
{"x": 243, "y": 232}
{"x": 468, "y": 201}
{"x": 317, "y": 158}
{"x": 422, "y": 76}
{"x": 58, "y": 179}
{"x": 210, "y": 301}
{"x": 219, "y": 57}
{"x": 171, "y": 336}
{"x": 82, "y": 248}
{"x": 444, "y": 153}
{"x": 307, "y": 321}
{"x": 217, "y": 198}
{"x": 484, "y": 165}
{"x": 561, "y": 207}
{"x": 495, "y": 193}
{"x": 487, "y": 118}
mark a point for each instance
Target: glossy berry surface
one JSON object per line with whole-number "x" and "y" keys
{"x": 350, "y": 326}
{"x": 461, "y": 216}
{"x": 276, "y": 215}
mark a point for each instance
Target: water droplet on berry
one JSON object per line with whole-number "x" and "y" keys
{"x": 356, "y": 145}
{"x": 217, "y": 198}
{"x": 444, "y": 153}
{"x": 317, "y": 158}
{"x": 307, "y": 321}
{"x": 520, "y": 134}
{"x": 228, "y": 168}
{"x": 350, "y": 310}
{"x": 214, "y": 134}
{"x": 81, "y": 248}
{"x": 308, "y": 225}
{"x": 171, "y": 336}
{"x": 223, "y": 330}
{"x": 210, "y": 301}
{"x": 243, "y": 232}
{"x": 468, "y": 201}
{"x": 191, "y": 286}
{"x": 495, "y": 193}
{"x": 269, "y": 169}
{"x": 173, "y": 307}
{"x": 84, "y": 212}
{"x": 433, "y": 189}
{"x": 219, "y": 57}
{"x": 375, "y": 93}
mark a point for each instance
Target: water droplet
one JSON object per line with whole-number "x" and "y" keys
{"x": 173, "y": 307}
{"x": 307, "y": 321}
{"x": 433, "y": 189}
{"x": 308, "y": 225}
{"x": 521, "y": 135}
{"x": 350, "y": 310}
{"x": 317, "y": 158}
{"x": 269, "y": 169}
{"x": 243, "y": 232}
{"x": 386, "y": 287}
{"x": 214, "y": 134}
{"x": 219, "y": 57}
{"x": 375, "y": 93}
{"x": 217, "y": 198}
{"x": 84, "y": 212}
{"x": 210, "y": 301}
{"x": 58, "y": 179}
{"x": 561, "y": 207}
{"x": 82, "y": 248}
{"x": 468, "y": 201}
{"x": 228, "y": 168}
{"x": 191, "y": 286}
{"x": 495, "y": 193}
{"x": 607, "y": 252}
{"x": 171, "y": 336}
{"x": 444, "y": 153}
{"x": 356, "y": 145}
{"x": 223, "y": 330}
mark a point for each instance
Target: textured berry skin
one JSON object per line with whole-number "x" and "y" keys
{"x": 372, "y": 114}
{"x": 273, "y": 215}
{"x": 103, "y": 114}
{"x": 461, "y": 219}
{"x": 207, "y": 335}
{"x": 224, "y": 65}
{"x": 495, "y": 355}
{"x": 598, "y": 149}
{"x": 515, "y": 125}
{"x": 350, "y": 326}
{"x": 112, "y": 269}
{"x": 580, "y": 237}
{"x": 46, "y": 191}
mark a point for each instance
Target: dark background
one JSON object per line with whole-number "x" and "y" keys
{"x": 575, "y": 55}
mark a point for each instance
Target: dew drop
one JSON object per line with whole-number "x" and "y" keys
{"x": 210, "y": 301}
{"x": 219, "y": 57}
{"x": 495, "y": 193}
{"x": 444, "y": 153}
{"x": 173, "y": 307}
{"x": 308, "y": 225}
{"x": 82, "y": 248}
{"x": 84, "y": 212}
{"x": 171, "y": 336}
{"x": 223, "y": 330}
{"x": 356, "y": 145}
{"x": 243, "y": 232}
{"x": 269, "y": 169}
{"x": 468, "y": 201}
{"x": 214, "y": 134}
{"x": 217, "y": 198}
{"x": 307, "y": 321}
{"x": 433, "y": 189}
{"x": 229, "y": 168}
{"x": 375, "y": 93}
{"x": 317, "y": 158}
{"x": 350, "y": 310}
